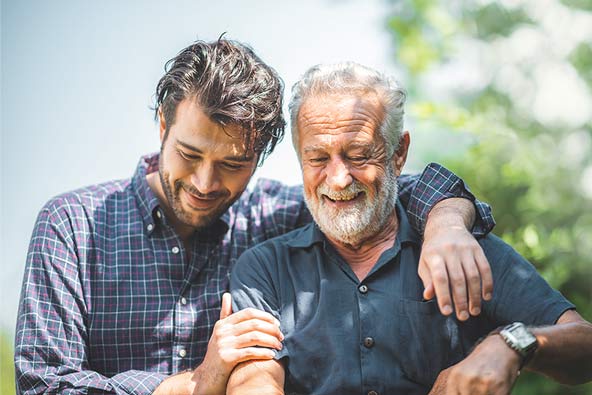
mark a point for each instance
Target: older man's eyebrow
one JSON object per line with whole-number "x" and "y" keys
{"x": 314, "y": 148}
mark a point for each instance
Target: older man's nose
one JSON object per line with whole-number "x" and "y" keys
{"x": 338, "y": 174}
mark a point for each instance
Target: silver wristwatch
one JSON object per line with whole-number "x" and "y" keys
{"x": 520, "y": 339}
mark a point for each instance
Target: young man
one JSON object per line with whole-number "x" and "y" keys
{"x": 345, "y": 288}
{"x": 123, "y": 282}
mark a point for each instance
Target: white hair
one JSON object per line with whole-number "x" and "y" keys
{"x": 351, "y": 78}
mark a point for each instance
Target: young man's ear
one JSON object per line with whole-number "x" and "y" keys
{"x": 161, "y": 125}
{"x": 400, "y": 156}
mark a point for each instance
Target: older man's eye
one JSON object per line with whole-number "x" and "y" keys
{"x": 317, "y": 161}
{"x": 358, "y": 159}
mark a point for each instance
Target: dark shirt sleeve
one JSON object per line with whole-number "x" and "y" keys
{"x": 253, "y": 284}
{"x": 51, "y": 351}
{"x": 436, "y": 183}
{"x": 521, "y": 293}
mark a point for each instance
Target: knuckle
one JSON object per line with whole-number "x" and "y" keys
{"x": 473, "y": 276}
{"x": 458, "y": 282}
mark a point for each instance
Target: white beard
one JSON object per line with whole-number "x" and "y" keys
{"x": 364, "y": 219}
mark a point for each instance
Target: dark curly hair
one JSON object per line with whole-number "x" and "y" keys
{"x": 232, "y": 86}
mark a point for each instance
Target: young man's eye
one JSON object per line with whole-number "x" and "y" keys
{"x": 232, "y": 166}
{"x": 187, "y": 156}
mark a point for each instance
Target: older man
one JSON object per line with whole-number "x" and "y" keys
{"x": 123, "y": 281}
{"x": 346, "y": 290}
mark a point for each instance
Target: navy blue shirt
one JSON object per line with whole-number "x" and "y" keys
{"x": 345, "y": 336}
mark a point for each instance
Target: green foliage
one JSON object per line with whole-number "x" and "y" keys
{"x": 6, "y": 365}
{"x": 493, "y": 19}
{"x": 582, "y": 4}
{"x": 581, "y": 58}
{"x": 534, "y": 169}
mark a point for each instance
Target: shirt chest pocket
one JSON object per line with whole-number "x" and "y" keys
{"x": 427, "y": 341}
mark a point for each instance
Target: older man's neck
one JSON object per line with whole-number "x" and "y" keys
{"x": 362, "y": 256}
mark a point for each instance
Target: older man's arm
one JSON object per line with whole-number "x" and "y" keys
{"x": 564, "y": 354}
{"x": 257, "y": 378}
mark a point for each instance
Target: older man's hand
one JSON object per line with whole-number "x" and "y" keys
{"x": 491, "y": 369}
{"x": 452, "y": 260}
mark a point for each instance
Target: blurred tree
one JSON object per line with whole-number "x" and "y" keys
{"x": 6, "y": 365}
{"x": 515, "y": 76}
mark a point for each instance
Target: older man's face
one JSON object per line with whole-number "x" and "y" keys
{"x": 350, "y": 184}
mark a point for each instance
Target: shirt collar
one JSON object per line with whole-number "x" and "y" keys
{"x": 149, "y": 205}
{"x": 312, "y": 234}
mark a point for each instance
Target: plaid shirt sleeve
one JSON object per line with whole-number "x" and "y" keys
{"x": 420, "y": 194}
{"x": 51, "y": 338}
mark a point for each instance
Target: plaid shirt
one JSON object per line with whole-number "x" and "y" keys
{"x": 112, "y": 302}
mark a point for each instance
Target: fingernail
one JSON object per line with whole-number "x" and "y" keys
{"x": 488, "y": 296}
{"x": 446, "y": 309}
{"x": 476, "y": 311}
{"x": 277, "y": 322}
{"x": 281, "y": 336}
{"x": 463, "y": 315}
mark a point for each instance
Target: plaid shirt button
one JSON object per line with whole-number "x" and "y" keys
{"x": 175, "y": 250}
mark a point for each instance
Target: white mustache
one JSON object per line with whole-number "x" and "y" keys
{"x": 348, "y": 193}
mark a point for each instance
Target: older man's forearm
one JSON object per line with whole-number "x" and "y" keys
{"x": 257, "y": 378}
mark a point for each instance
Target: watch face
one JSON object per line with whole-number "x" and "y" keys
{"x": 523, "y": 338}
{"x": 517, "y": 336}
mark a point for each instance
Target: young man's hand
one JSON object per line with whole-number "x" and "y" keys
{"x": 245, "y": 335}
{"x": 452, "y": 259}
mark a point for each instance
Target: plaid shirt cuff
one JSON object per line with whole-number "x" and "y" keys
{"x": 136, "y": 382}
{"x": 438, "y": 183}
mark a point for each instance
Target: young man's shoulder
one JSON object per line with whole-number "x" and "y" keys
{"x": 91, "y": 197}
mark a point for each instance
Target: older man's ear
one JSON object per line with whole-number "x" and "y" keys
{"x": 400, "y": 156}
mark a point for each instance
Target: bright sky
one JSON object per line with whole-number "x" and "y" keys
{"x": 78, "y": 79}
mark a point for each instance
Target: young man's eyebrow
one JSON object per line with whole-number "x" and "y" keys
{"x": 189, "y": 146}
{"x": 232, "y": 158}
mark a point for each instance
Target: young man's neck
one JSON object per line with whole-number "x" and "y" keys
{"x": 184, "y": 231}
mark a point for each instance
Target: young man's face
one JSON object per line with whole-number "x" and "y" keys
{"x": 204, "y": 167}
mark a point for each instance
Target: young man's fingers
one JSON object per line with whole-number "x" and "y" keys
{"x": 459, "y": 287}
{"x": 441, "y": 285}
{"x": 250, "y": 313}
{"x": 259, "y": 339}
{"x": 258, "y": 325}
{"x": 473, "y": 280}
{"x": 226, "y": 309}
{"x": 426, "y": 279}
{"x": 485, "y": 272}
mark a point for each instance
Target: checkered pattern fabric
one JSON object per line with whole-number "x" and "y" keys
{"x": 112, "y": 302}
